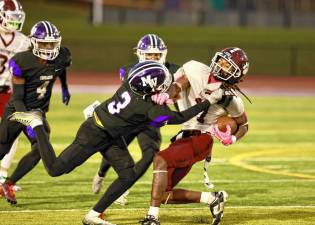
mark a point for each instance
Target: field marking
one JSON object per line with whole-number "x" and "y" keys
{"x": 168, "y": 208}
{"x": 182, "y": 182}
{"x": 237, "y": 161}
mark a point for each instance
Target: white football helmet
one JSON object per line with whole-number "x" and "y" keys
{"x": 12, "y": 16}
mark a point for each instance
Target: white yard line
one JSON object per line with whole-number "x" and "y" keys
{"x": 169, "y": 208}
{"x": 182, "y": 182}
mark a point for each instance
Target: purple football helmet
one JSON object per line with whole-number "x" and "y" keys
{"x": 151, "y": 43}
{"x": 148, "y": 78}
{"x": 46, "y": 40}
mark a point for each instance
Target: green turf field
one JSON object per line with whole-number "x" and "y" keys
{"x": 269, "y": 175}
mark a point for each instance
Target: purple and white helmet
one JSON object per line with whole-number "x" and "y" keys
{"x": 12, "y": 16}
{"x": 42, "y": 34}
{"x": 149, "y": 77}
{"x": 151, "y": 43}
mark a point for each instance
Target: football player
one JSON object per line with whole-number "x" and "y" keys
{"x": 194, "y": 142}
{"x": 12, "y": 41}
{"x": 129, "y": 108}
{"x": 33, "y": 75}
{"x": 149, "y": 47}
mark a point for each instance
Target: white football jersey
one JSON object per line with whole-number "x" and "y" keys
{"x": 10, "y": 44}
{"x": 198, "y": 75}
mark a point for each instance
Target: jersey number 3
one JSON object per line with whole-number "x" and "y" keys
{"x": 115, "y": 107}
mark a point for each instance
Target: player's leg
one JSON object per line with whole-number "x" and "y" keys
{"x": 25, "y": 165}
{"x": 89, "y": 140}
{"x": 9, "y": 131}
{"x": 123, "y": 164}
{"x": 98, "y": 179}
{"x": 7, "y": 160}
{"x": 149, "y": 141}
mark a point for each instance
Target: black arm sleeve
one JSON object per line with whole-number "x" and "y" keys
{"x": 18, "y": 97}
{"x": 181, "y": 117}
{"x": 63, "y": 79}
{"x": 160, "y": 114}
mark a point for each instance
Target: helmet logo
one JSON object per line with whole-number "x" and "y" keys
{"x": 152, "y": 82}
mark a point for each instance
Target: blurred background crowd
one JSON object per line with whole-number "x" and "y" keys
{"x": 278, "y": 35}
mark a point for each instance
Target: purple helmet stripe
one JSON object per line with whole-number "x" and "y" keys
{"x": 140, "y": 68}
{"x": 48, "y": 28}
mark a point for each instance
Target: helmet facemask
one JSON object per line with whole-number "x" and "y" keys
{"x": 224, "y": 69}
{"x": 42, "y": 52}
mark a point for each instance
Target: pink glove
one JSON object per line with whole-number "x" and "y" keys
{"x": 161, "y": 99}
{"x": 224, "y": 137}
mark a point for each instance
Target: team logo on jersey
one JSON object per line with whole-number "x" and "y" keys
{"x": 49, "y": 77}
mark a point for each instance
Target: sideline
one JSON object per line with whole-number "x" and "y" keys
{"x": 238, "y": 161}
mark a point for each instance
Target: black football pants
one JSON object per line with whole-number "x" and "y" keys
{"x": 149, "y": 140}
{"x": 89, "y": 140}
{"x": 9, "y": 131}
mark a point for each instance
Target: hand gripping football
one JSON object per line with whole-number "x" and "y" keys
{"x": 226, "y": 120}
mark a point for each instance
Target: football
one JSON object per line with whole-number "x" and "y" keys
{"x": 226, "y": 120}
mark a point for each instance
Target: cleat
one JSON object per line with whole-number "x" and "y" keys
{"x": 122, "y": 200}
{"x": 30, "y": 118}
{"x": 8, "y": 192}
{"x": 150, "y": 220}
{"x": 97, "y": 183}
{"x": 217, "y": 206}
{"x": 89, "y": 220}
{"x": 16, "y": 188}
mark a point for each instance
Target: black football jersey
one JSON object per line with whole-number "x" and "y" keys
{"x": 39, "y": 78}
{"x": 126, "y": 111}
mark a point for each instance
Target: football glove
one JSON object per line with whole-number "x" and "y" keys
{"x": 65, "y": 96}
{"x": 226, "y": 138}
{"x": 161, "y": 99}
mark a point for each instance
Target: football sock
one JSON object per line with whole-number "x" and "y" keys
{"x": 93, "y": 213}
{"x": 207, "y": 197}
{"x": 154, "y": 211}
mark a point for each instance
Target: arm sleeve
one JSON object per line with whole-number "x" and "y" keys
{"x": 18, "y": 97}
{"x": 63, "y": 79}
{"x": 160, "y": 115}
{"x": 18, "y": 89}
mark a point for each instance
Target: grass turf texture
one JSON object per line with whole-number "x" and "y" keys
{"x": 269, "y": 175}
{"x": 107, "y": 47}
